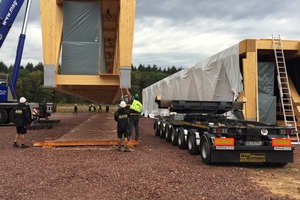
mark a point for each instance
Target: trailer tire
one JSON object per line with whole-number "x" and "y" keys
{"x": 174, "y": 137}
{"x": 278, "y": 164}
{"x": 192, "y": 143}
{"x": 156, "y": 127}
{"x": 3, "y": 116}
{"x": 182, "y": 138}
{"x": 162, "y": 130}
{"x": 12, "y": 116}
{"x": 205, "y": 149}
{"x": 169, "y": 129}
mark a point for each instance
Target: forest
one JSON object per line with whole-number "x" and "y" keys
{"x": 30, "y": 82}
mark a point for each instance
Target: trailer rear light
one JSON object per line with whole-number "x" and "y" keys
{"x": 219, "y": 130}
{"x": 224, "y": 141}
{"x": 264, "y": 131}
{"x": 286, "y": 132}
{"x": 281, "y": 142}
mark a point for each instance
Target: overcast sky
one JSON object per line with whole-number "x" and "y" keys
{"x": 180, "y": 32}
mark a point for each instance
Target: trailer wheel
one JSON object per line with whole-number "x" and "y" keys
{"x": 11, "y": 116}
{"x": 169, "y": 129}
{"x": 182, "y": 138}
{"x": 279, "y": 164}
{"x": 205, "y": 147}
{"x": 156, "y": 127}
{"x": 162, "y": 130}
{"x": 174, "y": 136}
{"x": 192, "y": 144}
{"x": 3, "y": 116}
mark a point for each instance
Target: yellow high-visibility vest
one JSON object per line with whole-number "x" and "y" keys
{"x": 136, "y": 106}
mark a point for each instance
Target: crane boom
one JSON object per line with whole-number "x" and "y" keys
{"x": 8, "y": 13}
{"x": 9, "y": 10}
{"x": 15, "y": 73}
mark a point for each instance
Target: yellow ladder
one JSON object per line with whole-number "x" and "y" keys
{"x": 283, "y": 83}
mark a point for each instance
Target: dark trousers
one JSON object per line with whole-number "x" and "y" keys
{"x": 134, "y": 121}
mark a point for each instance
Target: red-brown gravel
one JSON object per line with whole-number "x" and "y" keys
{"x": 153, "y": 170}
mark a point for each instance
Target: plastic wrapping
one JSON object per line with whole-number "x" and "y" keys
{"x": 266, "y": 72}
{"x": 266, "y": 98}
{"x": 76, "y": 60}
{"x": 267, "y": 108}
{"x": 217, "y": 78}
{"x": 83, "y": 44}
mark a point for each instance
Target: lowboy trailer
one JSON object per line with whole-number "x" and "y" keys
{"x": 217, "y": 131}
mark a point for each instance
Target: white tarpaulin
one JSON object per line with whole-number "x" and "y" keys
{"x": 217, "y": 78}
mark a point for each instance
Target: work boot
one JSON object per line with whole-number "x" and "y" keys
{"x": 15, "y": 145}
{"x": 126, "y": 149}
{"x": 119, "y": 148}
{"x": 23, "y": 146}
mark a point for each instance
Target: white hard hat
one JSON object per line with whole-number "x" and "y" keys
{"x": 22, "y": 100}
{"x": 123, "y": 104}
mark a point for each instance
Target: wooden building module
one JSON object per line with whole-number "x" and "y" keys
{"x": 95, "y": 76}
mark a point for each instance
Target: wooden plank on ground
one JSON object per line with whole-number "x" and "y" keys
{"x": 82, "y": 143}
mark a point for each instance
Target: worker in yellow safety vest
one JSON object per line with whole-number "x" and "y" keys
{"x": 135, "y": 111}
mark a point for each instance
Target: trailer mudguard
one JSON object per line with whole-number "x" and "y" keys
{"x": 253, "y": 155}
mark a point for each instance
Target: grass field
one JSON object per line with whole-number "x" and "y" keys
{"x": 83, "y": 108}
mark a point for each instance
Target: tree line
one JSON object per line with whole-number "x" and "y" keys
{"x": 30, "y": 82}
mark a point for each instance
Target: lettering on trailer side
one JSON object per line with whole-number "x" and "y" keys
{"x": 283, "y": 148}
{"x": 10, "y": 12}
{"x": 252, "y": 157}
{"x": 3, "y": 92}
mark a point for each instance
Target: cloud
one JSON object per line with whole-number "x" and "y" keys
{"x": 180, "y": 33}
{"x": 32, "y": 52}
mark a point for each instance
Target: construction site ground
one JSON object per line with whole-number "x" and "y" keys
{"x": 155, "y": 169}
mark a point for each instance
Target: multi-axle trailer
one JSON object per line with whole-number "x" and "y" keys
{"x": 218, "y": 132}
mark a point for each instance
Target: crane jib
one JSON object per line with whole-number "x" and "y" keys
{"x": 8, "y": 13}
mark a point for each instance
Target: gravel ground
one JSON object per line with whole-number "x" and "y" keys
{"x": 153, "y": 170}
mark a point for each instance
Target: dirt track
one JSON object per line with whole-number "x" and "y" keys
{"x": 153, "y": 170}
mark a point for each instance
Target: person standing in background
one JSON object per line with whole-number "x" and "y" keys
{"x": 22, "y": 119}
{"x": 107, "y": 108}
{"x": 100, "y": 108}
{"x": 75, "y": 109}
{"x": 121, "y": 116}
{"x": 135, "y": 110}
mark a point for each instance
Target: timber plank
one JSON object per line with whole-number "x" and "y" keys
{"x": 82, "y": 143}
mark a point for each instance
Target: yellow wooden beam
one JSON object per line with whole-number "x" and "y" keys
{"x": 52, "y": 25}
{"x": 296, "y": 101}
{"x": 286, "y": 44}
{"x": 125, "y": 31}
{"x": 131, "y": 143}
{"x": 102, "y": 80}
{"x": 248, "y": 47}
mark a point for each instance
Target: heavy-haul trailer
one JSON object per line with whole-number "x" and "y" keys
{"x": 217, "y": 131}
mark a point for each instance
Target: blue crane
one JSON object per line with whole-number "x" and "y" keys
{"x": 8, "y": 13}
{"x": 8, "y": 97}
